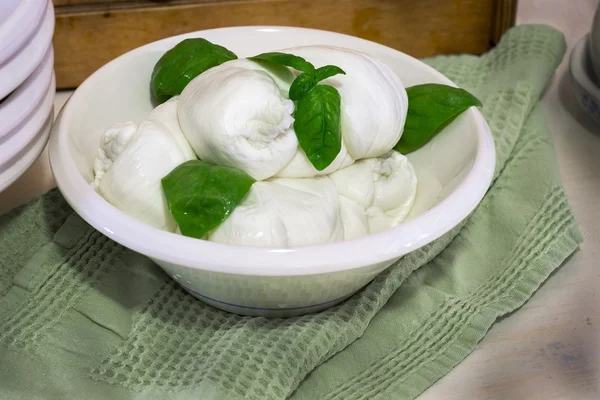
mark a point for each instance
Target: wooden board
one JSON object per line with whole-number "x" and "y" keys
{"x": 89, "y": 33}
{"x": 128, "y": 3}
{"x": 60, "y": 3}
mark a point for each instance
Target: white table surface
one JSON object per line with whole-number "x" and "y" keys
{"x": 550, "y": 348}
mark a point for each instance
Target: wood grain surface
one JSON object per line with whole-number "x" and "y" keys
{"x": 89, "y": 33}
{"x": 82, "y": 4}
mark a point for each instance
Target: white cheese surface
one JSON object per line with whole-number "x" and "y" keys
{"x": 237, "y": 114}
{"x": 285, "y": 212}
{"x": 133, "y": 182}
{"x": 112, "y": 143}
{"x": 374, "y": 104}
{"x": 384, "y": 188}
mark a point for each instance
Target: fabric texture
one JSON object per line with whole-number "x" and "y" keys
{"x": 83, "y": 317}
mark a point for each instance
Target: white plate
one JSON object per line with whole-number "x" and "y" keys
{"x": 17, "y": 107}
{"x": 18, "y": 21}
{"x": 17, "y": 68}
{"x": 18, "y": 153}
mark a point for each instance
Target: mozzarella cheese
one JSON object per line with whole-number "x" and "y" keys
{"x": 374, "y": 104}
{"x": 112, "y": 143}
{"x": 285, "y": 212}
{"x": 301, "y": 167}
{"x": 238, "y": 114}
{"x": 166, "y": 115}
{"x": 133, "y": 182}
{"x": 384, "y": 188}
{"x": 354, "y": 219}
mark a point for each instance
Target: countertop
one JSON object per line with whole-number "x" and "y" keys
{"x": 550, "y": 348}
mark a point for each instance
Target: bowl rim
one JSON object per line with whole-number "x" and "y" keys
{"x": 270, "y": 261}
{"x": 15, "y": 70}
{"x": 18, "y": 106}
{"x": 577, "y": 69}
{"x": 29, "y": 155}
{"x": 14, "y": 145}
{"x": 38, "y": 132}
{"x": 21, "y": 23}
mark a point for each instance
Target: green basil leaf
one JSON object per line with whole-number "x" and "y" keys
{"x": 328, "y": 71}
{"x": 201, "y": 196}
{"x": 317, "y": 125}
{"x": 302, "y": 85}
{"x": 305, "y": 82}
{"x": 178, "y": 66}
{"x": 431, "y": 107}
{"x": 288, "y": 60}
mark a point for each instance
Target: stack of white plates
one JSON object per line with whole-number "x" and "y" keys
{"x": 27, "y": 84}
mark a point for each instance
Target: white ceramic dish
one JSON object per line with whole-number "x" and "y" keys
{"x": 6, "y": 9}
{"x": 583, "y": 80}
{"x": 19, "y": 105}
{"x": 454, "y": 171}
{"x": 13, "y": 162}
{"x": 15, "y": 69}
{"x": 19, "y": 19}
{"x": 594, "y": 42}
{"x": 20, "y": 139}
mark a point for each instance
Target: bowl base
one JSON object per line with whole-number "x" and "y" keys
{"x": 265, "y": 312}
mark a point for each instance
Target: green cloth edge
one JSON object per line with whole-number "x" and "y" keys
{"x": 479, "y": 319}
{"x": 480, "y": 324}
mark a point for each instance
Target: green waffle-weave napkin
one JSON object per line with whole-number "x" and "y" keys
{"x": 83, "y": 318}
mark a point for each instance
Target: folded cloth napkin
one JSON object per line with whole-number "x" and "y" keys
{"x": 83, "y": 318}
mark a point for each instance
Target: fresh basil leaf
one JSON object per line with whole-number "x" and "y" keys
{"x": 289, "y": 60}
{"x": 201, "y": 196}
{"x": 328, "y": 71}
{"x": 302, "y": 85}
{"x": 178, "y": 66}
{"x": 430, "y": 108}
{"x": 317, "y": 125}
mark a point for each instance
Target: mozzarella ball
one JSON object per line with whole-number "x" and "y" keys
{"x": 237, "y": 114}
{"x": 383, "y": 187}
{"x": 374, "y": 102}
{"x": 301, "y": 167}
{"x": 284, "y": 213}
{"x": 133, "y": 181}
{"x": 354, "y": 219}
{"x": 112, "y": 143}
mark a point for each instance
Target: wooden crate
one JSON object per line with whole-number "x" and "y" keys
{"x": 89, "y": 33}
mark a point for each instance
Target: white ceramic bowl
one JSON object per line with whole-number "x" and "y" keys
{"x": 19, "y": 19}
{"x": 15, "y": 69}
{"x": 594, "y": 42}
{"x": 23, "y": 147}
{"x": 454, "y": 171}
{"x": 584, "y": 82}
{"x": 20, "y": 104}
{"x": 23, "y": 120}
{"x": 7, "y": 7}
